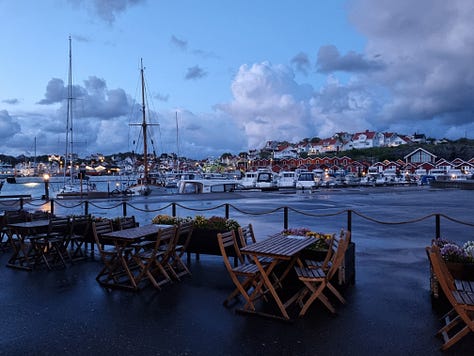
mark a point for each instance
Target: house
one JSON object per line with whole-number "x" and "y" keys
{"x": 366, "y": 139}
{"x": 420, "y": 155}
{"x": 393, "y": 140}
{"x": 285, "y": 151}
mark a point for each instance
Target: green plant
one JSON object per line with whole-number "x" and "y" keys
{"x": 215, "y": 223}
{"x": 163, "y": 219}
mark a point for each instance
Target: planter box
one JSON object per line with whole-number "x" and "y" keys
{"x": 204, "y": 241}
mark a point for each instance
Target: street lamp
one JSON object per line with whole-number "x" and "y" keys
{"x": 46, "y": 186}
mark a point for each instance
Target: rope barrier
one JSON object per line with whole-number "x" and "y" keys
{"x": 105, "y": 208}
{"x": 317, "y": 215}
{"x": 393, "y": 222}
{"x": 456, "y": 220}
{"x": 68, "y": 206}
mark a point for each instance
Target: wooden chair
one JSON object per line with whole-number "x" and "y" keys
{"x": 154, "y": 262}
{"x": 51, "y": 247}
{"x": 316, "y": 280}
{"x": 244, "y": 275}
{"x": 109, "y": 274}
{"x": 247, "y": 237}
{"x": 459, "y": 321}
{"x": 80, "y": 226}
{"x": 328, "y": 259}
{"x": 10, "y": 217}
{"x": 183, "y": 235}
{"x": 127, "y": 222}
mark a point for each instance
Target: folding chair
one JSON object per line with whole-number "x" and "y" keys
{"x": 10, "y": 217}
{"x": 80, "y": 226}
{"x": 52, "y": 246}
{"x": 153, "y": 261}
{"x": 244, "y": 275}
{"x": 328, "y": 259}
{"x": 460, "y": 319}
{"x": 110, "y": 273}
{"x": 183, "y": 235}
{"x": 316, "y": 280}
{"x": 247, "y": 237}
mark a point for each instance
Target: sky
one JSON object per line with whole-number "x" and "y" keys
{"x": 226, "y": 76}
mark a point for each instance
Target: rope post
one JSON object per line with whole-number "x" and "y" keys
{"x": 86, "y": 207}
{"x": 124, "y": 208}
{"x": 285, "y": 218}
{"x": 349, "y": 220}
{"x": 52, "y": 207}
{"x": 438, "y": 226}
{"x": 21, "y": 203}
{"x": 173, "y": 209}
{"x": 227, "y": 210}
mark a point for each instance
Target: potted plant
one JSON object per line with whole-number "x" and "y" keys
{"x": 205, "y": 230}
{"x": 459, "y": 259}
{"x": 317, "y": 250}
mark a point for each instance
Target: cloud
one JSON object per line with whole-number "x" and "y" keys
{"x": 301, "y": 63}
{"x": 179, "y": 43}
{"x": 269, "y": 105}
{"x": 330, "y": 60}
{"x": 428, "y": 47}
{"x": 107, "y": 10}
{"x": 8, "y": 126}
{"x": 12, "y": 101}
{"x": 194, "y": 73}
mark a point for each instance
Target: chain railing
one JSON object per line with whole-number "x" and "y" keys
{"x": 171, "y": 209}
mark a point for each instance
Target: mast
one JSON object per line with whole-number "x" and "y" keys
{"x": 144, "y": 125}
{"x": 177, "y": 143}
{"x": 69, "y": 138}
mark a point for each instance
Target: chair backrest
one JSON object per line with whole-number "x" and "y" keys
{"x": 228, "y": 242}
{"x": 59, "y": 225}
{"x": 246, "y": 235}
{"x": 127, "y": 222}
{"x": 99, "y": 228}
{"x": 338, "y": 257}
{"x": 80, "y": 225}
{"x": 15, "y": 216}
{"x": 330, "y": 255}
{"x": 185, "y": 231}
{"x": 166, "y": 237}
{"x": 440, "y": 270}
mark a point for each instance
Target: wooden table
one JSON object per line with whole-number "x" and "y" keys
{"x": 122, "y": 239}
{"x": 280, "y": 248}
{"x": 23, "y": 256}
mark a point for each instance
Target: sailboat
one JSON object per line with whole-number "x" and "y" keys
{"x": 74, "y": 184}
{"x": 147, "y": 182}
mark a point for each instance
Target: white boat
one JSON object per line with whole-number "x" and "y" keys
{"x": 202, "y": 186}
{"x": 249, "y": 180}
{"x": 306, "y": 180}
{"x": 266, "y": 180}
{"x": 287, "y": 179}
{"x": 6, "y": 170}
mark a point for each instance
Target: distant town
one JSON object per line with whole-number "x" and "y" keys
{"x": 341, "y": 152}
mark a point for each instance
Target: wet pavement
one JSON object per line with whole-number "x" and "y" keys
{"x": 388, "y": 311}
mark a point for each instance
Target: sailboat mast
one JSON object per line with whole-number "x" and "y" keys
{"x": 69, "y": 138}
{"x": 144, "y": 126}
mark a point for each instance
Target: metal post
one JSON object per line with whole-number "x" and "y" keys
{"x": 438, "y": 226}
{"x": 227, "y": 210}
{"x": 349, "y": 220}
{"x": 124, "y": 208}
{"x": 173, "y": 209}
{"x": 21, "y": 203}
{"x": 52, "y": 206}
{"x": 285, "y": 218}
{"x": 86, "y": 207}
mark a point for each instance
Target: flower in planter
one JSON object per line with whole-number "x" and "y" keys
{"x": 469, "y": 248}
{"x": 163, "y": 219}
{"x": 454, "y": 253}
{"x": 321, "y": 242}
{"x": 215, "y": 223}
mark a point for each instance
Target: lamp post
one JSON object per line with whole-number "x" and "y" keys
{"x": 46, "y": 186}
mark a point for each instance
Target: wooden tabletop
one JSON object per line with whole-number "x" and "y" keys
{"x": 30, "y": 224}
{"x": 279, "y": 246}
{"x": 136, "y": 232}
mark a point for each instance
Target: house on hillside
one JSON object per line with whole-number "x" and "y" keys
{"x": 392, "y": 139}
{"x": 366, "y": 139}
{"x": 285, "y": 151}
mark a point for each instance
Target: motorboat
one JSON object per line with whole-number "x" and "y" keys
{"x": 267, "y": 180}
{"x": 287, "y": 179}
{"x": 306, "y": 180}
{"x": 202, "y": 186}
{"x": 249, "y": 179}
